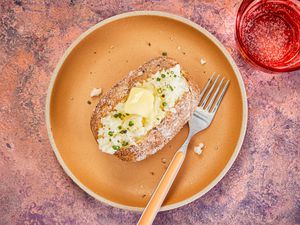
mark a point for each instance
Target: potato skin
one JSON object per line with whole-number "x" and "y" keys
{"x": 160, "y": 135}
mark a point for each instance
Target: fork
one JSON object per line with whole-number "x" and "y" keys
{"x": 201, "y": 119}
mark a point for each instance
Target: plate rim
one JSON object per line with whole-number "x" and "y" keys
{"x": 186, "y": 22}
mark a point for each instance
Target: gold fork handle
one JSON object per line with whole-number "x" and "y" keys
{"x": 162, "y": 189}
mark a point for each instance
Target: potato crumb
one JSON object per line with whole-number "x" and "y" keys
{"x": 202, "y": 61}
{"x": 163, "y": 160}
{"x": 96, "y": 92}
{"x": 198, "y": 149}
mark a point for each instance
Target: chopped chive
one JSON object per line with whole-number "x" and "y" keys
{"x": 158, "y": 79}
{"x": 157, "y": 118}
{"x": 163, "y": 75}
{"x": 109, "y": 139}
{"x": 116, "y": 147}
{"x": 123, "y": 131}
{"x": 127, "y": 114}
{"x": 171, "y": 88}
{"x": 125, "y": 143}
{"x": 120, "y": 115}
{"x": 172, "y": 72}
{"x": 119, "y": 127}
{"x": 164, "y": 53}
{"x": 159, "y": 90}
{"x": 164, "y": 104}
{"x": 110, "y": 133}
{"x": 175, "y": 76}
{"x": 131, "y": 123}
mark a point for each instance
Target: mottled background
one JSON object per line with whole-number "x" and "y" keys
{"x": 263, "y": 187}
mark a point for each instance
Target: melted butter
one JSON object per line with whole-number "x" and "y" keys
{"x": 140, "y": 102}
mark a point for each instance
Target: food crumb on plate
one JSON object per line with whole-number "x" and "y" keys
{"x": 199, "y": 148}
{"x": 202, "y": 61}
{"x": 164, "y": 160}
{"x": 96, "y": 92}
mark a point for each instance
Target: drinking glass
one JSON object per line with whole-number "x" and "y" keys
{"x": 268, "y": 33}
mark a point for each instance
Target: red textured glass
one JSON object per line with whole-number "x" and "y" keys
{"x": 268, "y": 33}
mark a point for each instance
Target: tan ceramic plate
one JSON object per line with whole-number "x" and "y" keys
{"x": 102, "y": 56}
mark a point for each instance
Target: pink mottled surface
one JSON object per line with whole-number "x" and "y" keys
{"x": 263, "y": 187}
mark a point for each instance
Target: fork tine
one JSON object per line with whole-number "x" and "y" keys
{"x": 220, "y": 97}
{"x": 215, "y": 95}
{"x": 209, "y": 92}
{"x": 206, "y": 86}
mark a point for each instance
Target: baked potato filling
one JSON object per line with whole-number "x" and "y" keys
{"x": 145, "y": 108}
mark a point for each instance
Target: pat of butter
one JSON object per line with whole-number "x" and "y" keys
{"x": 140, "y": 101}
